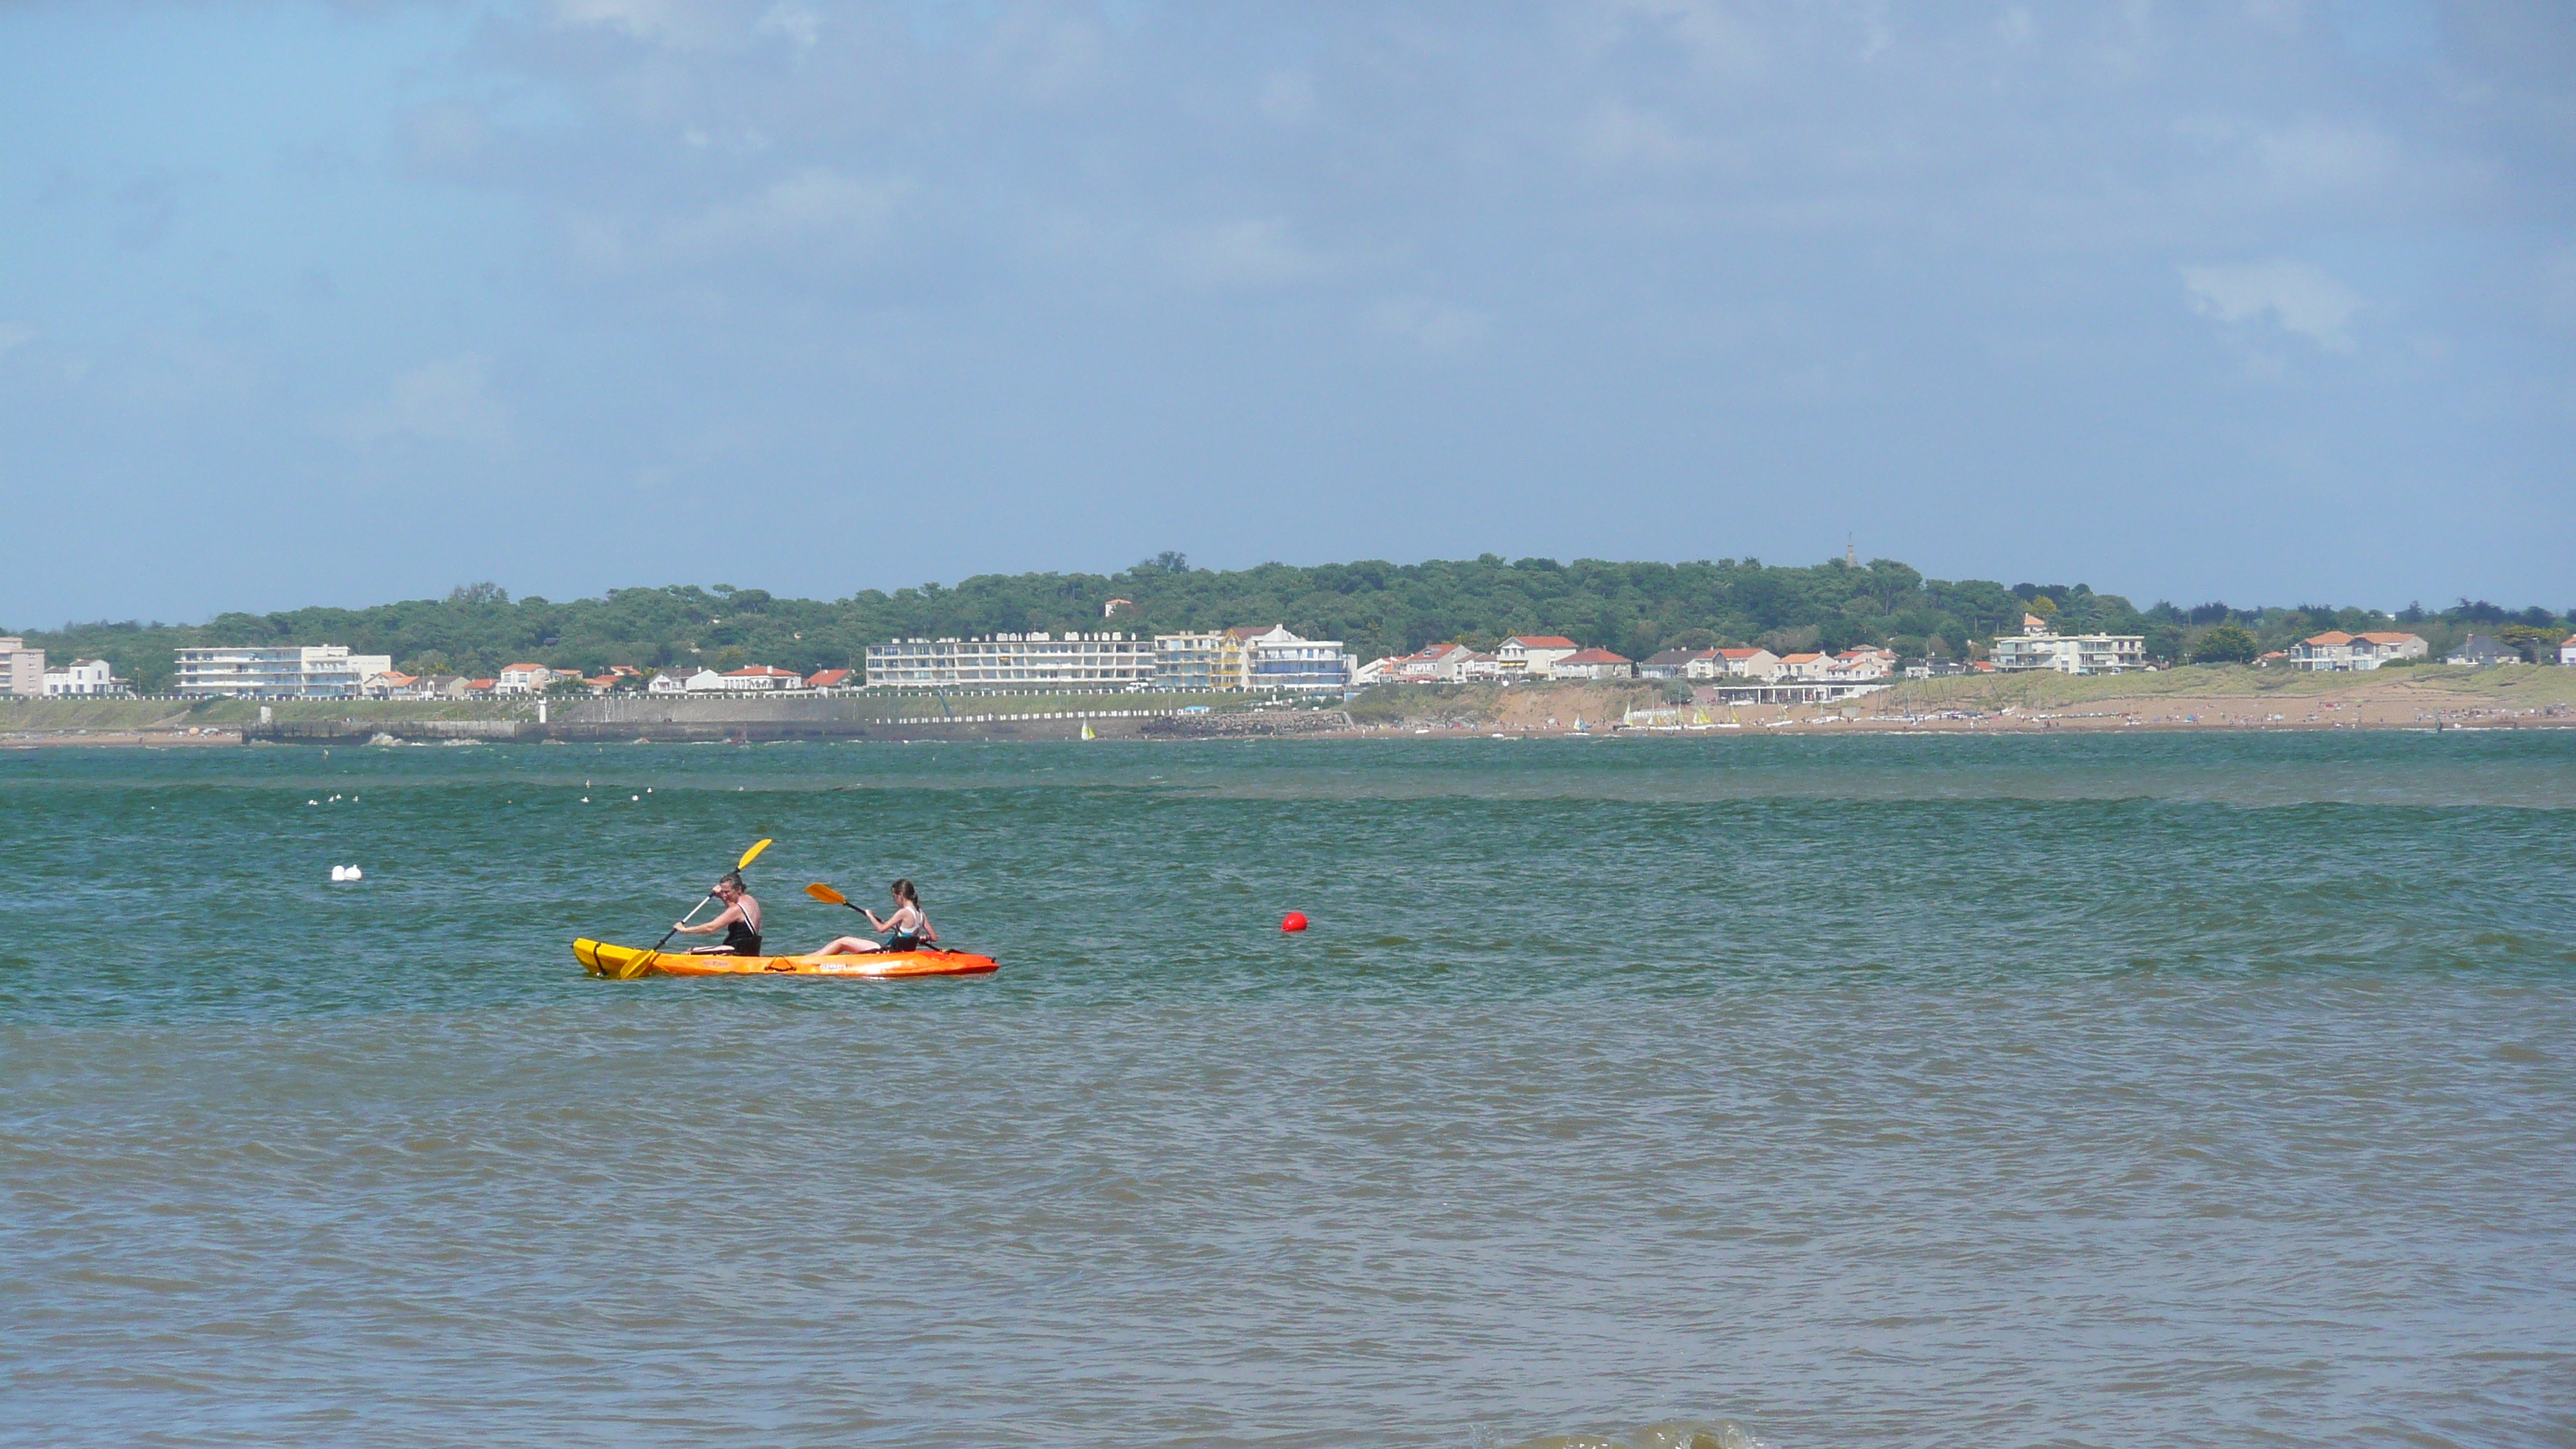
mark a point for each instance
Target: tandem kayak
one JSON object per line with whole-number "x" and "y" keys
{"x": 623, "y": 962}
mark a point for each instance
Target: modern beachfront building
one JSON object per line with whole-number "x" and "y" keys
{"x": 1277, "y": 660}
{"x": 2037, "y": 648}
{"x": 1199, "y": 663}
{"x": 1015, "y": 664}
{"x": 2336, "y": 652}
{"x": 286, "y": 671}
{"x": 22, "y": 670}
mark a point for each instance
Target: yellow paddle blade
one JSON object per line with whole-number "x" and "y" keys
{"x": 751, "y": 855}
{"x": 826, "y": 894}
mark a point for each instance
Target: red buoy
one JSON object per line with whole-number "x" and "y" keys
{"x": 1296, "y": 921}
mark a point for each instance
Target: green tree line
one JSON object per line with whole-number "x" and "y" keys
{"x": 1374, "y": 607}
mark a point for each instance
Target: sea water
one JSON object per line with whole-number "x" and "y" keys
{"x": 1867, "y": 1091}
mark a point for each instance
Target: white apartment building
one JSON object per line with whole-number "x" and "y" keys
{"x": 1015, "y": 664}
{"x": 22, "y": 670}
{"x": 2069, "y": 653}
{"x": 2336, "y": 652}
{"x": 85, "y": 676}
{"x": 288, "y": 671}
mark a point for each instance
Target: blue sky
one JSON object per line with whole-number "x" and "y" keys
{"x": 2267, "y": 300}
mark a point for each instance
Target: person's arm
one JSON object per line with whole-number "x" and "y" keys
{"x": 873, "y": 923}
{"x": 724, "y": 918}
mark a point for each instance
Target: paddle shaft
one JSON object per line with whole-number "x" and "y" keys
{"x": 656, "y": 953}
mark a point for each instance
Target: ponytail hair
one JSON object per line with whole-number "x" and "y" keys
{"x": 903, "y": 891}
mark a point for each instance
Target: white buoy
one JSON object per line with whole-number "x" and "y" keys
{"x": 356, "y": 874}
{"x": 339, "y": 872}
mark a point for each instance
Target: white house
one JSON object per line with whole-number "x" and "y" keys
{"x": 1807, "y": 665}
{"x": 1671, "y": 663}
{"x": 83, "y": 676}
{"x": 1530, "y": 656}
{"x": 703, "y": 681}
{"x": 763, "y": 677}
{"x": 1865, "y": 662}
{"x": 1438, "y": 663}
{"x": 2567, "y": 652}
{"x": 523, "y": 679}
{"x": 2337, "y": 652}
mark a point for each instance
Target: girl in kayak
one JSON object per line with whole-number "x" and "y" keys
{"x": 911, "y": 928}
{"x": 739, "y": 920}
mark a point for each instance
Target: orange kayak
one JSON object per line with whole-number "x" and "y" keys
{"x": 626, "y": 962}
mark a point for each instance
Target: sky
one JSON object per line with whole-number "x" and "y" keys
{"x": 2269, "y": 301}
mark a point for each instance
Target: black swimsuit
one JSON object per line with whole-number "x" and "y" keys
{"x": 741, "y": 940}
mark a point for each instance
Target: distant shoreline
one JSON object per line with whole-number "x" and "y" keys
{"x": 2202, "y": 700}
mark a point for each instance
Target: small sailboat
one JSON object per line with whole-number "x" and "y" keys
{"x": 1086, "y": 731}
{"x": 1578, "y": 726}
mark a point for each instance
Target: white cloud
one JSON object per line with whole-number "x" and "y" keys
{"x": 2299, "y": 297}
{"x": 817, "y": 216}
{"x": 2320, "y": 158}
{"x": 2558, "y": 287}
{"x": 1620, "y": 134}
{"x": 1429, "y": 325}
{"x": 675, "y": 23}
{"x": 445, "y": 401}
{"x": 1288, "y": 98}
{"x": 14, "y": 335}
{"x": 814, "y": 205}
{"x": 1715, "y": 39}
{"x": 798, "y": 25}
{"x": 1242, "y": 254}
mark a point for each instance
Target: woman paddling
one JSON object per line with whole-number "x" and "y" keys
{"x": 739, "y": 920}
{"x": 911, "y": 928}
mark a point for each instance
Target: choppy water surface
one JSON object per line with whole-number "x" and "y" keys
{"x": 1865, "y": 1091}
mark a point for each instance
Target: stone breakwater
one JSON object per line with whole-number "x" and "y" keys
{"x": 1247, "y": 724}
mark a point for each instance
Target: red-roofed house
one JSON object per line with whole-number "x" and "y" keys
{"x": 1759, "y": 664}
{"x": 1532, "y": 655}
{"x": 1808, "y": 665}
{"x": 762, "y": 677}
{"x": 1593, "y": 664}
{"x": 828, "y": 679}
{"x": 524, "y": 679}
